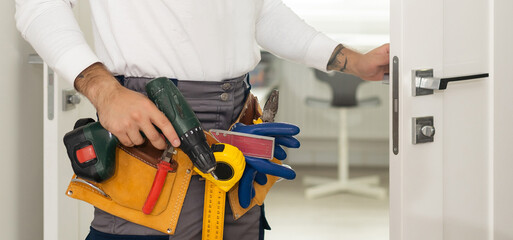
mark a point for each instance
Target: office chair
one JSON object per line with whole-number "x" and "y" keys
{"x": 344, "y": 88}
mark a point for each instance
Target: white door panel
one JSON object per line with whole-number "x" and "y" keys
{"x": 441, "y": 190}
{"x": 416, "y": 172}
{"x": 502, "y": 62}
{"x": 466, "y": 32}
{"x": 466, "y": 162}
{"x": 466, "y": 121}
{"x": 64, "y": 217}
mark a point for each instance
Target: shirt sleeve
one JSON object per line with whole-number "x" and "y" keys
{"x": 50, "y": 27}
{"x": 281, "y": 32}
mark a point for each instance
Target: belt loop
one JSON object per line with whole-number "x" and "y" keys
{"x": 248, "y": 90}
{"x": 247, "y": 82}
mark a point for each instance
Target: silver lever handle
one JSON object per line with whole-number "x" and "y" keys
{"x": 424, "y": 83}
{"x": 441, "y": 83}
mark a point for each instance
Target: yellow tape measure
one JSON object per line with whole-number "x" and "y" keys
{"x": 230, "y": 166}
{"x": 213, "y": 212}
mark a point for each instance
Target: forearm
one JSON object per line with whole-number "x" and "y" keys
{"x": 96, "y": 83}
{"x": 343, "y": 60}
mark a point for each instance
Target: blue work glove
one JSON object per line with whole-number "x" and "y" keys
{"x": 257, "y": 168}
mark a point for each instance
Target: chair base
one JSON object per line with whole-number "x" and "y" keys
{"x": 364, "y": 186}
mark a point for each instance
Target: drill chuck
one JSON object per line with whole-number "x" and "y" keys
{"x": 195, "y": 145}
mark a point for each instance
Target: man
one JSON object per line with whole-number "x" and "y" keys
{"x": 195, "y": 42}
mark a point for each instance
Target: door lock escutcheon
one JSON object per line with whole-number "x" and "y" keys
{"x": 423, "y": 81}
{"x": 423, "y": 130}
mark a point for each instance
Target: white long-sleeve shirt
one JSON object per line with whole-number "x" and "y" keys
{"x": 188, "y": 40}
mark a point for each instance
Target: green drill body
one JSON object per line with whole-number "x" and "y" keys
{"x": 171, "y": 102}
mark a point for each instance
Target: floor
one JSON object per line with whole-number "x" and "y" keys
{"x": 340, "y": 216}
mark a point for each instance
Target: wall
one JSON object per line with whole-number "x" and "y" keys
{"x": 21, "y": 98}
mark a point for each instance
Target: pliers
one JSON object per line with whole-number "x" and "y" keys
{"x": 163, "y": 167}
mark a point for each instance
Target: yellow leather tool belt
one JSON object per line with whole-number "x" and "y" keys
{"x": 124, "y": 194}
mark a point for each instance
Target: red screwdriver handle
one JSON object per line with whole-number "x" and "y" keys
{"x": 156, "y": 187}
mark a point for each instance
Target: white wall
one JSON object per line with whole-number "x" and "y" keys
{"x": 21, "y": 128}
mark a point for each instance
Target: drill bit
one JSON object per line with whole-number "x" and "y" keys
{"x": 214, "y": 175}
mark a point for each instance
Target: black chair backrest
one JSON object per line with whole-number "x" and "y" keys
{"x": 343, "y": 87}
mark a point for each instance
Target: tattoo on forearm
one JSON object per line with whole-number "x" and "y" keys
{"x": 338, "y": 60}
{"x": 80, "y": 84}
{"x": 333, "y": 57}
{"x": 344, "y": 67}
{"x": 88, "y": 81}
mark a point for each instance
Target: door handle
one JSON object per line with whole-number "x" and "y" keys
{"x": 70, "y": 98}
{"x": 424, "y": 82}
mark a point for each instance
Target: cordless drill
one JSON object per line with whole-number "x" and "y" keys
{"x": 92, "y": 149}
{"x": 171, "y": 102}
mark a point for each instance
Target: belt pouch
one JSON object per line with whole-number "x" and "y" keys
{"x": 251, "y": 111}
{"x": 125, "y": 193}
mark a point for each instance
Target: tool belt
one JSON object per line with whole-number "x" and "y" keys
{"x": 124, "y": 194}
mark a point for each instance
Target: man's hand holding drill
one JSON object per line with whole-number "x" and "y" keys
{"x": 123, "y": 112}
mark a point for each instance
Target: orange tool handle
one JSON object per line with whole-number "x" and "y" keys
{"x": 156, "y": 187}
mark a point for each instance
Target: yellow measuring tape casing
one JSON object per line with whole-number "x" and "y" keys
{"x": 230, "y": 166}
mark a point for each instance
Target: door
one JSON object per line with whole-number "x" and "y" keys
{"x": 448, "y": 188}
{"x": 64, "y": 218}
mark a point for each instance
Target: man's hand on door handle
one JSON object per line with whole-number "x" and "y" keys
{"x": 370, "y": 66}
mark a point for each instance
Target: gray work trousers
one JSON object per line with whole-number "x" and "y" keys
{"x": 217, "y": 105}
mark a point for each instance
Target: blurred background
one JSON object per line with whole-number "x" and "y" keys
{"x": 306, "y": 99}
